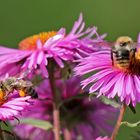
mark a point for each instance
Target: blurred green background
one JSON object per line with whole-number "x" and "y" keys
{"x": 21, "y": 18}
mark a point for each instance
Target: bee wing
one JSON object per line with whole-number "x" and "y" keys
{"x": 27, "y": 84}
{"x": 136, "y": 45}
{"x": 104, "y": 45}
{"x": 22, "y": 83}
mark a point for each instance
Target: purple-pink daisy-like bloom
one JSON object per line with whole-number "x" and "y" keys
{"x": 12, "y": 106}
{"x": 103, "y": 138}
{"x": 14, "y": 97}
{"x": 35, "y": 51}
{"x": 85, "y": 119}
{"x": 110, "y": 80}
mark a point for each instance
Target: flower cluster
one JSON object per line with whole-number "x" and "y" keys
{"x": 43, "y": 58}
{"x": 109, "y": 80}
{"x": 93, "y": 121}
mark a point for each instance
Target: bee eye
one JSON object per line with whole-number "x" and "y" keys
{"x": 123, "y": 44}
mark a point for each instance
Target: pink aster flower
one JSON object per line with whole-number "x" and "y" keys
{"x": 13, "y": 97}
{"x": 110, "y": 80}
{"x": 103, "y": 138}
{"x": 35, "y": 51}
{"x": 11, "y": 107}
{"x": 85, "y": 119}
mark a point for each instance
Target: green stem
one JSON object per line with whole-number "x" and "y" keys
{"x": 118, "y": 124}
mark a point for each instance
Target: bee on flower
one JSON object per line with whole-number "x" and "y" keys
{"x": 13, "y": 98}
{"x": 8, "y": 85}
{"x": 116, "y": 70}
{"x": 83, "y": 118}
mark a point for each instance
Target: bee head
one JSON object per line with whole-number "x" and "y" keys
{"x": 124, "y": 42}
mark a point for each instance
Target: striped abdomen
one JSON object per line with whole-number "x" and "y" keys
{"x": 121, "y": 58}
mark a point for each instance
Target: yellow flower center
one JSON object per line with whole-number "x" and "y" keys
{"x": 29, "y": 43}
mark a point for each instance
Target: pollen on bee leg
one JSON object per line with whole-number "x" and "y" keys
{"x": 137, "y": 54}
{"x": 1, "y": 94}
{"x": 22, "y": 93}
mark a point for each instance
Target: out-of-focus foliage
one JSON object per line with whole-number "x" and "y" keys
{"x": 45, "y": 125}
{"x": 136, "y": 136}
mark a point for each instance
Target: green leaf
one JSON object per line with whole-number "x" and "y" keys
{"x": 110, "y": 102}
{"x": 130, "y": 124}
{"x": 105, "y": 100}
{"x": 132, "y": 109}
{"x": 45, "y": 125}
{"x": 92, "y": 95}
{"x": 136, "y": 136}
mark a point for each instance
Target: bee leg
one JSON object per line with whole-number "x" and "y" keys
{"x": 112, "y": 57}
{"x": 132, "y": 52}
{"x": 133, "y": 55}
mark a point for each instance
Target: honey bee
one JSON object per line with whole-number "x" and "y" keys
{"x": 24, "y": 87}
{"x": 123, "y": 51}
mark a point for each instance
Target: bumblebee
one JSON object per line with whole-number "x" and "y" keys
{"x": 24, "y": 87}
{"x": 125, "y": 53}
{"x": 122, "y": 52}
